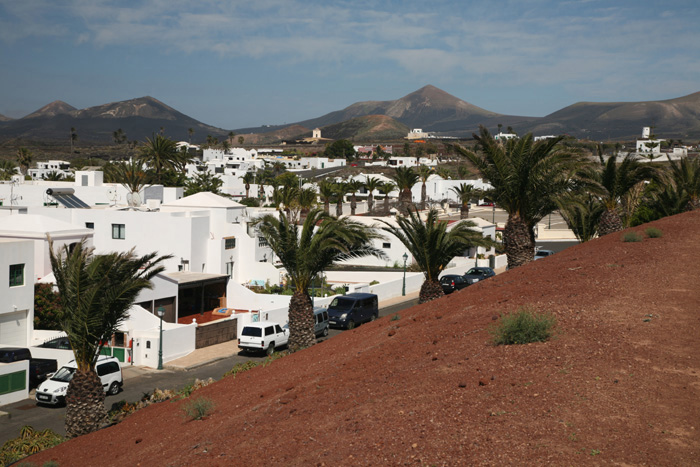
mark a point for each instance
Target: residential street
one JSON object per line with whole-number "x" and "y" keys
{"x": 137, "y": 381}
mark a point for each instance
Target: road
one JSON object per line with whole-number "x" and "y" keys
{"x": 26, "y": 412}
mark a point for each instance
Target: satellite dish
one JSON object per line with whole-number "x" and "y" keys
{"x": 133, "y": 199}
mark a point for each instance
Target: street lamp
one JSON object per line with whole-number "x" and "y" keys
{"x": 160, "y": 312}
{"x": 405, "y": 258}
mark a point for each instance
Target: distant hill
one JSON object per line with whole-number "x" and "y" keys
{"x": 138, "y": 118}
{"x": 368, "y": 128}
{"x": 673, "y": 118}
{"x": 428, "y": 108}
{"x": 5, "y": 119}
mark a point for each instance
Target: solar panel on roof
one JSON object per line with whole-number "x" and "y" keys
{"x": 66, "y": 197}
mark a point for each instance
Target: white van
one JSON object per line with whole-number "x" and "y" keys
{"x": 53, "y": 390}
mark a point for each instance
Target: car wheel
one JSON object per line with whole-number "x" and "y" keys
{"x": 350, "y": 324}
{"x": 325, "y": 331}
{"x": 113, "y": 389}
{"x": 270, "y": 348}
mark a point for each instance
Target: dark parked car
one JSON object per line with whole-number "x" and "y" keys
{"x": 475, "y": 275}
{"x": 39, "y": 368}
{"x": 452, "y": 282}
{"x": 348, "y": 310}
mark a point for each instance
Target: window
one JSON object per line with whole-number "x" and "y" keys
{"x": 229, "y": 269}
{"x": 270, "y": 330}
{"x": 262, "y": 242}
{"x": 16, "y": 275}
{"x": 386, "y": 245}
{"x": 90, "y": 225}
{"x": 119, "y": 231}
{"x": 107, "y": 368}
{"x": 230, "y": 243}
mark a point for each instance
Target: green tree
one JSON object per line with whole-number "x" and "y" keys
{"x": 47, "y": 307}
{"x": 615, "y": 182}
{"x": 326, "y": 191}
{"x": 24, "y": 159}
{"x": 341, "y": 188}
{"x": 203, "y": 181}
{"x": 372, "y": 184}
{"x": 465, "y": 192}
{"x": 129, "y": 174}
{"x": 527, "y": 179}
{"x": 241, "y": 139}
{"x": 386, "y": 188}
{"x": 119, "y": 137}
{"x": 96, "y": 293}
{"x": 685, "y": 177}
{"x": 405, "y": 178}
{"x": 353, "y": 187}
{"x": 73, "y": 138}
{"x": 248, "y": 179}
{"x": 424, "y": 172}
{"x": 190, "y": 133}
{"x": 160, "y": 154}
{"x": 7, "y": 169}
{"x": 433, "y": 246}
{"x": 582, "y": 215}
{"x": 444, "y": 173}
{"x": 340, "y": 149}
{"x": 53, "y": 176}
{"x": 321, "y": 242}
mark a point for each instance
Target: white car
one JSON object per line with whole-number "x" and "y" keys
{"x": 263, "y": 336}
{"x": 53, "y": 390}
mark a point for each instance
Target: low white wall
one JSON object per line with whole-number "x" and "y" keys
{"x": 7, "y": 368}
{"x": 178, "y": 341}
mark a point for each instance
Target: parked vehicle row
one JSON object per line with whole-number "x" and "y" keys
{"x": 453, "y": 282}
{"x": 39, "y": 368}
{"x": 346, "y": 311}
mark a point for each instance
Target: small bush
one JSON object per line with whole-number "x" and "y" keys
{"x": 523, "y": 327}
{"x": 631, "y": 237}
{"x": 653, "y": 232}
{"x": 198, "y": 408}
{"x": 374, "y": 283}
{"x": 29, "y": 442}
{"x": 395, "y": 317}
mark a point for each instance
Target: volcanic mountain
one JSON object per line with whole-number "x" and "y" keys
{"x": 618, "y": 384}
{"x": 138, "y": 118}
{"x": 673, "y": 118}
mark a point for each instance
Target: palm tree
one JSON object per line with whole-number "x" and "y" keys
{"x": 686, "y": 180}
{"x": 433, "y": 246}
{"x": 463, "y": 172}
{"x": 582, "y": 215}
{"x": 119, "y": 137}
{"x": 386, "y": 188}
{"x": 615, "y": 182}
{"x": 306, "y": 200}
{"x": 129, "y": 174}
{"x": 341, "y": 188}
{"x": 405, "y": 178}
{"x": 326, "y": 190}
{"x": 7, "y": 169}
{"x": 241, "y": 139}
{"x": 322, "y": 241}
{"x": 527, "y": 178}
{"x": 231, "y": 136}
{"x": 465, "y": 192}
{"x": 160, "y": 154}
{"x": 353, "y": 187}
{"x": 444, "y": 173}
{"x": 24, "y": 159}
{"x": 73, "y": 138}
{"x": 424, "y": 173}
{"x": 248, "y": 178}
{"x": 53, "y": 176}
{"x": 96, "y": 294}
{"x": 190, "y": 132}
{"x": 372, "y": 184}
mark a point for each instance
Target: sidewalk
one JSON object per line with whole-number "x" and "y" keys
{"x": 206, "y": 355}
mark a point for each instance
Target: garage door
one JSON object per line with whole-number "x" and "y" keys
{"x": 13, "y": 329}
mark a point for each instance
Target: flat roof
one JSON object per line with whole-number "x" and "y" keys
{"x": 188, "y": 277}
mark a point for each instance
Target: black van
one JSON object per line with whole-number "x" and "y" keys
{"x": 346, "y": 311}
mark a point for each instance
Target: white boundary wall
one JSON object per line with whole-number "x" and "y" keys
{"x": 7, "y": 368}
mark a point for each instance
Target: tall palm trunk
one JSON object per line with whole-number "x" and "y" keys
{"x": 339, "y": 207}
{"x": 386, "y": 203}
{"x": 405, "y": 198}
{"x": 518, "y": 242}
{"x": 85, "y": 404}
{"x": 423, "y": 196}
{"x": 301, "y": 322}
{"x": 430, "y": 290}
{"x": 353, "y": 204}
{"x": 370, "y": 202}
{"x": 610, "y": 222}
{"x": 464, "y": 211}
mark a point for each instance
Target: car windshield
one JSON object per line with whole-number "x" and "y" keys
{"x": 63, "y": 375}
{"x": 252, "y": 331}
{"x": 473, "y": 271}
{"x": 342, "y": 302}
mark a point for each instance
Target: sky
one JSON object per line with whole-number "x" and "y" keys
{"x": 236, "y": 64}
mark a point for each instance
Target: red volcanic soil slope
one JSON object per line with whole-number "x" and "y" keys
{"x": 619, "y": 384}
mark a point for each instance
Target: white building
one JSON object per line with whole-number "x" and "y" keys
{"x": 417, "y": 133}
{"x": 43, "y": 168}
{"x": 504, "y": 136}
{"x": 17, "y": 292}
